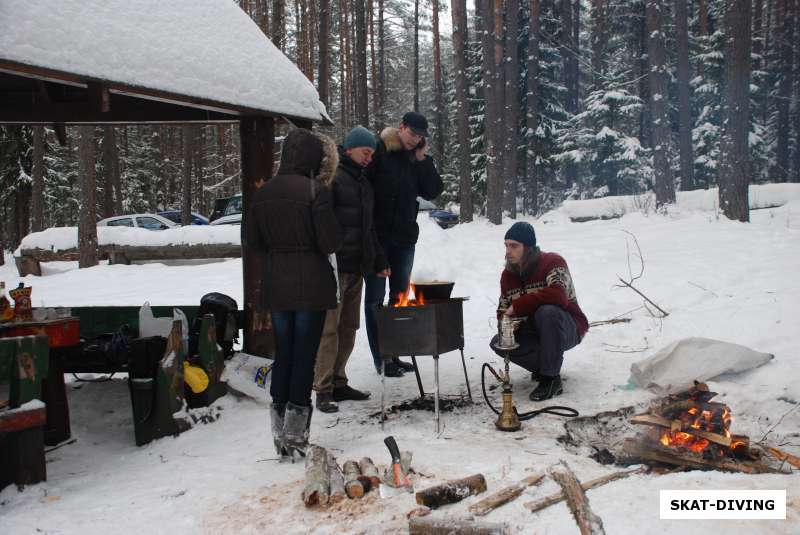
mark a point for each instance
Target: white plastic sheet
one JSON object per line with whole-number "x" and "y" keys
{"x": 676, "y": 366}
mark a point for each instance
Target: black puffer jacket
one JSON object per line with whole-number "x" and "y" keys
{"x": 353, "y": 201}
{"x": 292, "y": 220}
{"x": 398, "y": 179}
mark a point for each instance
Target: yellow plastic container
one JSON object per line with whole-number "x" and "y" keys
{"x": 195, "y": 377}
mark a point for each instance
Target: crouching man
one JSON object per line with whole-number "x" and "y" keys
{"x": 537, "y": 286}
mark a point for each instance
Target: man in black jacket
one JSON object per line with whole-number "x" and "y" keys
{"x": 360, "y": 255}
{"x": 401, "y": 171}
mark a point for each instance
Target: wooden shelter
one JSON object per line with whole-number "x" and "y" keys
{"x": 72, "y": 62}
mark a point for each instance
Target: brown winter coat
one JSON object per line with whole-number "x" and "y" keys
{"x": 292, "y": 220}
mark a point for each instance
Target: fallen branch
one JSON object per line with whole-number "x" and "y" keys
{"x": 588, "y": 521}
{"x": 337, "y": 493}
{"x": 317, "y": 488}
{"x": 547, "y": 501}
{"x": 609, "y": 322}
{"x": 503, "y": 496}
{"x": 783, "y": 456}
{"x": 430, "y": 525}
{"x": 632, "y": 287}
{"x": 451, "y": 491}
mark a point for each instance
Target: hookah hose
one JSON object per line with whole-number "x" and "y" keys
{"x": 558, "y": 410}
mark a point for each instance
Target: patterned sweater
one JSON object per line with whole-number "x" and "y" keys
{"x": 548, "y": 284}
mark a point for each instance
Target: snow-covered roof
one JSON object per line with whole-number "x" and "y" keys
{"x": 206, "y": 49}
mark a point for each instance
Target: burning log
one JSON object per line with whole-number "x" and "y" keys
{"x": 588, "y": 522}
{"x": 679, "y": 426}
{"x": 451, "y": 491}
{"x": 353, "y": 486}
{"x": 503, "y": 496}
{"x": 448, "y": 525}
{"x": 543, "y": 503}
{"x": 317, "y": 488}
{"x": 369, "y": 471}
{"x": 683, "y": 457}
{"x": 337, "y": 492}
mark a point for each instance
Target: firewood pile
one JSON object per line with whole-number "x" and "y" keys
{"x": 690, "y": 430}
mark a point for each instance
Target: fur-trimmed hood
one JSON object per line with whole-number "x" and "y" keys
{"x": 309, "y": 154}
{"x": 391, "y": 138}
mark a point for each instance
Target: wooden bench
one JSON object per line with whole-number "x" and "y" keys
{"x": 23, "y": 366}
{"x": 30, "y": 260}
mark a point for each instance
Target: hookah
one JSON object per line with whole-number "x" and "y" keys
{"x": 508, "y": 418}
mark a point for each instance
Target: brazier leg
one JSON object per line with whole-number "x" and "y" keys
{"x": 466, "y": 378}
{"x": 419, "y": 380}
{"x": 436, "y": 391}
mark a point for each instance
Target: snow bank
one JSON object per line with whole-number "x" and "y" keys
{"x": 761, "y": 196}
{"x": 62, "y": 238}
{"x": 201, "y": 48}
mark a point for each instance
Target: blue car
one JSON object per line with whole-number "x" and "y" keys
{"x": 175, "y": 216}
{"x": 443, "y": 218}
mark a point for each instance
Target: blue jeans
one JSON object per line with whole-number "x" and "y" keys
{"x": 401, "y": 260}
{"x": 297, "y": 336}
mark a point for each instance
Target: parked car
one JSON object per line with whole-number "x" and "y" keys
{"x": 443, "y": 218}
{"x": 175, "y": 217}
{"x": 147, "y": 221}
{"x": 226, "y": 206}
{"x": 232, "y": 219}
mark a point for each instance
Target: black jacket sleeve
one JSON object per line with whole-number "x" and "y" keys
{"x": 429, "y": 183}
{"x": 251, "y": 232}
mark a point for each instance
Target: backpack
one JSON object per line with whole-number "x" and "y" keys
{"x": 224, "y": 309}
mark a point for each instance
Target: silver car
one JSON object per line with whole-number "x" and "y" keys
{"x": 146, "y": 221}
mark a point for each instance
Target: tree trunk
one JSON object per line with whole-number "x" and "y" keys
{"x": 87, "y": 222}
{"x": 645, "y": 119}
{"x": 437, "y": 82}
{"x": 324, "y": 73}
{"x": 569, "y": 50}
{"x": 599, "y": 42}
{"x": 373, "y": 63}
{"x": 460, "y": 40}
{"x": 362, "y": 95}
{"x": 188, "y": 152}
{"x": 734, "y": 169}
{"x": 343, "y": 65}
{"x": 684, "y": 103}
{"x": 492, "y": 14}
{"x": 37, "y": 194}
{"x": 532, "y": 109}
{"x": 380, "y": 119}
{"x": 796, "y": 168}
{"x": 664, "y": 181}
{"x": 786, "y": 62}
{"x": 111, "y": 167}
{"x": 511, "y": 108}
{"x": 416, "y": 55}
{"x": 278, "y": 23}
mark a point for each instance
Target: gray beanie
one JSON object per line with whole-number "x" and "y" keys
{"x": 359, "y": 137}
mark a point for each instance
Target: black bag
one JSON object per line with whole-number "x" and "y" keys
{"x": 224, "y": 309}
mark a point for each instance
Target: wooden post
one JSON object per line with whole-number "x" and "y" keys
{"x": 257, "y": 137}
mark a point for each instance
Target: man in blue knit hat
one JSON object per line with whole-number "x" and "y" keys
{"x": 360, "y": 255}
{"x": 537, "y": 286}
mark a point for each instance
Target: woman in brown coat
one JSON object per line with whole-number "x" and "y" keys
{"x": 293, "y": 222}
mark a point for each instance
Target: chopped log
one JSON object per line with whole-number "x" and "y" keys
{"x": 588, "y": 522}
{"x": 337, "y": 493}
{"x": 432, "y": 525}
{"x": 369, "y": 471}
{"x": 451, "y": 491}
{"x": 317, "y": 488}
{"x": 678, "y": 457}
{"x": 783, "y": 456}
{"x": 677, "y": 425}
{"x": 352, "y": 485}
{"x": 547, "y": 501}
{"x": 503, "y": 496}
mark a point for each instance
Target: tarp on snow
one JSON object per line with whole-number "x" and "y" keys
{"x": 676, "y": 366}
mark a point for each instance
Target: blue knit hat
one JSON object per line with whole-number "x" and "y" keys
{"x": 359, "y": 137}
{"x": 523, "y": 233}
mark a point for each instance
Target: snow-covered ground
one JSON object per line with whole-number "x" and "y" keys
{"x": 718, "y": 279}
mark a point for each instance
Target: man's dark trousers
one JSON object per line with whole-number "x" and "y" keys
{"x": 541, "y": 347}
{"x": 401, "y": 260}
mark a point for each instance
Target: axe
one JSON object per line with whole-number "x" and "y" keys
{"x": 399, "y": 478}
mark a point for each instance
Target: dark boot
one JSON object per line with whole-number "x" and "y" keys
{"x": 326, "y": 402}
{"x": 276, "y": 416}
{"x": 348, "y": 393}
{"x": 391, "y": 369}
{"x": 296, "y": 425}
{"x": 547, "y": 388}
{"x": 405, "y": 366}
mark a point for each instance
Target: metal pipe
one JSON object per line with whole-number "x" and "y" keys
{"x": 436, "y": 390}
{"x": 464, "y": 365}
